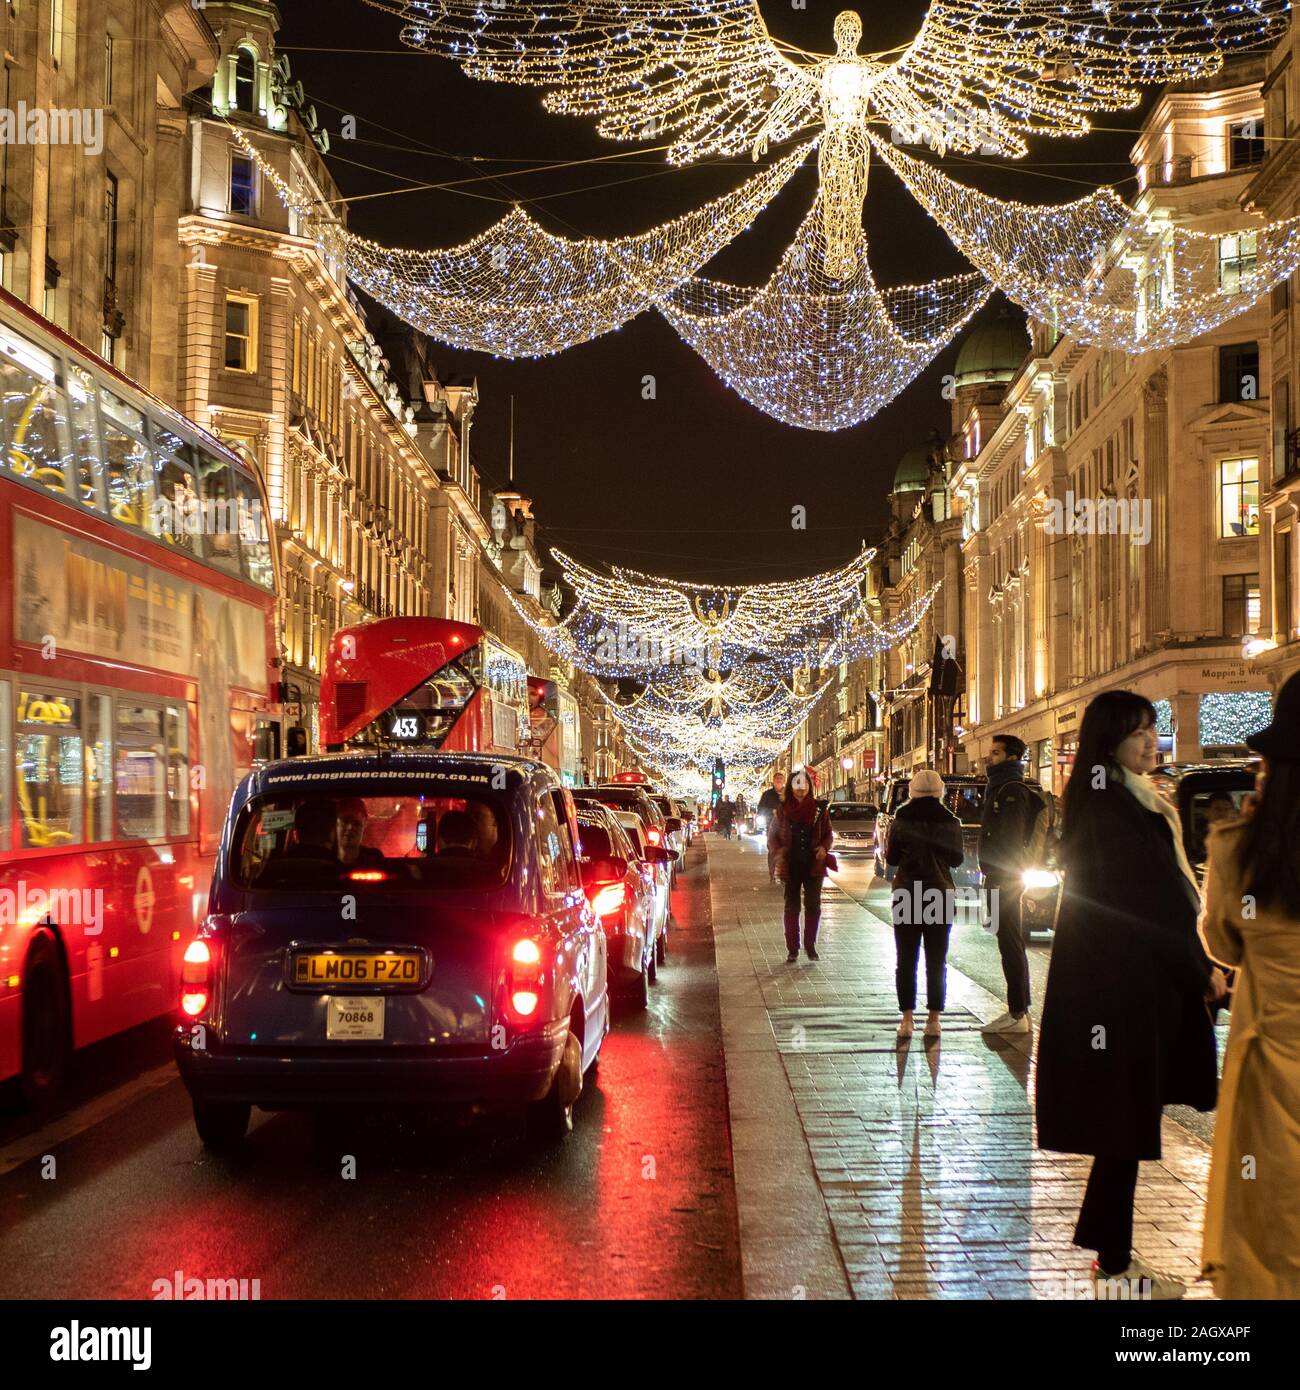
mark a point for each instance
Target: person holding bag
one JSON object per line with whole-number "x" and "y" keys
{"x": 799, "y": 840}
{"x": 1251, "y": 1246}
{"x": 1126, "y": 1027}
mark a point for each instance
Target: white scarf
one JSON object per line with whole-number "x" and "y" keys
{"x": 1144, "y": 789}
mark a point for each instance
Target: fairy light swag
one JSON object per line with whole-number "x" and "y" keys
{"x": 1106, "y": 274}
{"x": 979, "y": 75}
{"x": 820, "y": 353}
{"x": 517, "y": 290}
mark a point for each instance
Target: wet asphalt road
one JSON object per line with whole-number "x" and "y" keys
{"x": 637, "y": 1202}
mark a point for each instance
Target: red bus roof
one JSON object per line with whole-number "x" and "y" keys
{"x": 372, "y": 666}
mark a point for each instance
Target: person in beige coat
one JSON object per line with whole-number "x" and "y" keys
{"x": 1251, "y": 922}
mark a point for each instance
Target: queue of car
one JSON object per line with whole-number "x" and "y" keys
{"x": 418, "y": 927}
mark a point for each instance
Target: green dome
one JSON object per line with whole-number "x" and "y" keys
{"x": 913, "y": 470}
{"x": 993, "y": 353}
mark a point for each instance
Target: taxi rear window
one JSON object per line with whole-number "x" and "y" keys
{"x": 340, "y": 840}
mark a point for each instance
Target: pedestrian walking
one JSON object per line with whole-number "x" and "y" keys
{"x": 925, "y": 845}
{"x": 1126, "y": 1029}
{"x": 800, "y": 841}
{"x": 1007, "y": 824}
{"x": 1251, "y": 922}
{"x": 768, "y": 805}
{"x": 726, "y": 815}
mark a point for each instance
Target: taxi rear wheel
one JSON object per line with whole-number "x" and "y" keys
{"x": 661, "y": 946}
{"x": 551, "y": 1118}
{"x": 221, "y": 1127}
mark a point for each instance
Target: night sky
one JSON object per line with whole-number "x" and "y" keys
{"x": 697, "y": 483}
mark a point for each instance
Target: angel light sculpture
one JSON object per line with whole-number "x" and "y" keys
{"x": 980, "y": 75}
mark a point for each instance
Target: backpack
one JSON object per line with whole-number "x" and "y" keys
{"x": 1040, "y": 822}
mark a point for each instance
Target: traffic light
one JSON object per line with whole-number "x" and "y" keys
{"x": 719, "y": 779}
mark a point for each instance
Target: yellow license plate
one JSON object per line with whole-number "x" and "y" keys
{"x": 356, "y": 968}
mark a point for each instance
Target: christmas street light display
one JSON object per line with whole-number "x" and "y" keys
{"x": 980, "y": 74}
{"x": 1104, "y": 273}
{"x": 817, "y": 352}
{"x": 517, "y": 290}
{"x": 626, "y": 623}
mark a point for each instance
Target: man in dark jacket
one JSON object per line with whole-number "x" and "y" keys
{"x": 1010, "y": 809}
{"x": 768, "y": 805}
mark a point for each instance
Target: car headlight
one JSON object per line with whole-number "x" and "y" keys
{"x": 1041, "y": 878}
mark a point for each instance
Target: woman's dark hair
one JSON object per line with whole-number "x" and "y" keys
{"x": 1109, "y": 719}
{"x": 1270, "y": 843}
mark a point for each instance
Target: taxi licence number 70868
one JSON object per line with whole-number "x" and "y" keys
{"x": 355, "y": 967}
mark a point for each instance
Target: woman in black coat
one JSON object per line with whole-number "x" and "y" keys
{"x": 925, "y": 846}
{"x": 1126, "y": 1029}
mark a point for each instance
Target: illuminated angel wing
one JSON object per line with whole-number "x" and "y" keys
{"x": 992, "y": 72}
{"x": 703, "y": 71}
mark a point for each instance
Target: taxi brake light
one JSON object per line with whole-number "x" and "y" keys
{"x": 524, "y": 1002}
{"x": 654, "y": 835}
{"x": 367, "y": 876}
{"x": 526, "y": 953}
{"x": 196, "y": 978}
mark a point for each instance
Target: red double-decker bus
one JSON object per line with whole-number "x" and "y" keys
{"x": 424, "y": 682}
{"x": 137, "y": 606}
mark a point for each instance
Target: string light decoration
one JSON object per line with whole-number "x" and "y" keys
{"x": 714, "y": 660}
{"x": 1100, "y": 271}
{"x": 980, "y": 74}
{"x": 517, "y": 290}
{"x": 815, "y": 352}
{"x": 628, "y": 624}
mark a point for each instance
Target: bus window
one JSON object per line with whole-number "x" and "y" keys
{"x": 176, "y": 723}
{"x": 141, "y": 775}
{"x": 220, "y": 512}
{"x": 48, "y": 764}
{"x": 99, "y": 768}
{"x": 126, "y": 470}
{"x": 35, "y": 418}
{"x": 254, "y": 534}
{"x": 178, "y": 514}
{"x": 85, "y": 438}
{"x": 4, "y": 765}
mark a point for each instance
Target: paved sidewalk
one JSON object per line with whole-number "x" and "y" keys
{"x": 868, "y": 1171}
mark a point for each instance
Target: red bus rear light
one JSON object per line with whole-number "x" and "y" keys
{"x": 609, "y": 899}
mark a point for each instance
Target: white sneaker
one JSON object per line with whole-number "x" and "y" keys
{"x": 1139, "y": 1282}
{"x": 1007, "y": 1023}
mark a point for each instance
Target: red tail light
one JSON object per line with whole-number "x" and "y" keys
{"x": 524, "y": 977}
{"x": 367, "y": 876}
{"x": 196, "y": 978}
{"x": 609, "y": 899}
{"x": 654, "y": 835}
